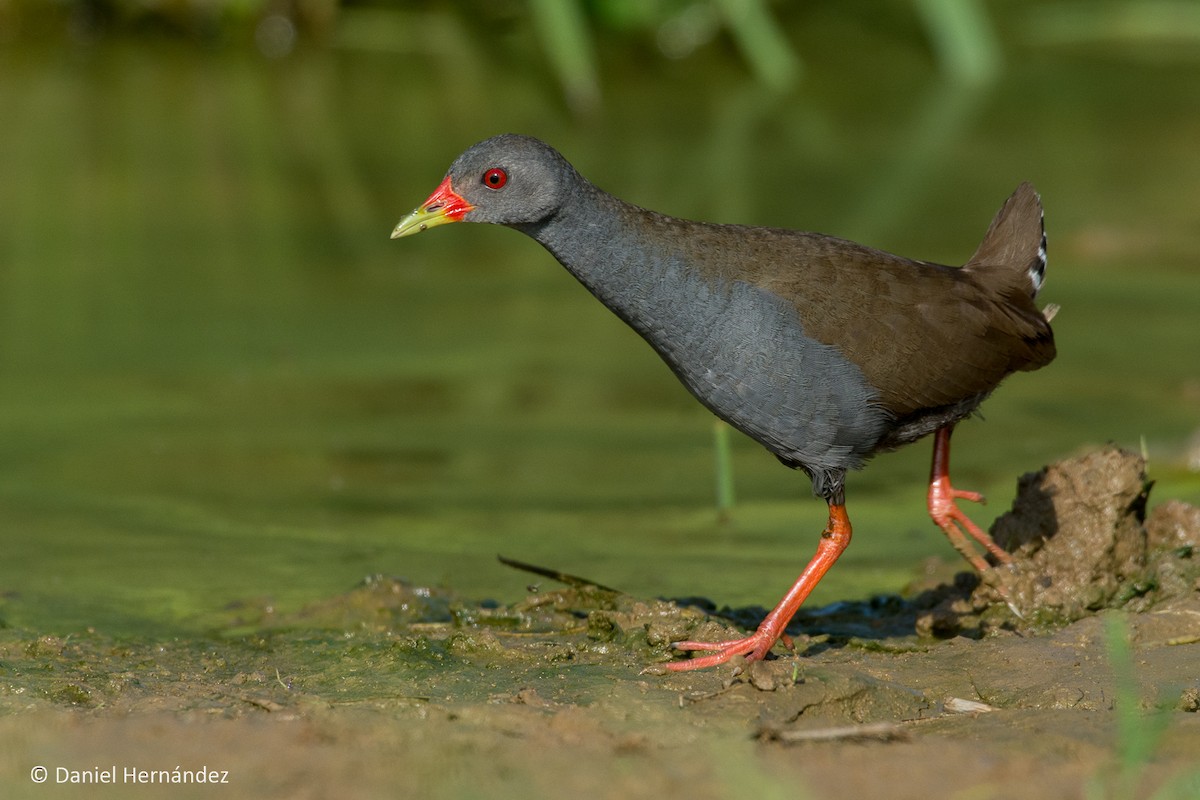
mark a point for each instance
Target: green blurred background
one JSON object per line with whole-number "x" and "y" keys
{"x": 221, "y": 383}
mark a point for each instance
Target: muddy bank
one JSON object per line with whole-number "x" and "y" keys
{"x": 1075, "y": 672}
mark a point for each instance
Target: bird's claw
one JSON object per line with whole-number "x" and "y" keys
{"x": 754, "y": 648}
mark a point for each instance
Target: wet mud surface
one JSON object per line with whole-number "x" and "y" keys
{"x": 1075, "y": 674}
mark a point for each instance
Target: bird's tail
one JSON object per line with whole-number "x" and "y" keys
{"x": 1016, "y": 239}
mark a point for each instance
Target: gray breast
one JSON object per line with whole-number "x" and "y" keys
{"x": 743, "y": 353}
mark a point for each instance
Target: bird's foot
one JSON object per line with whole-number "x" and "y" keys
{"x": 754, "y": 647}
{"x": 950, "y": 518}
{"x": 944, "y": 510}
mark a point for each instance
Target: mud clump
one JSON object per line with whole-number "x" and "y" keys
{"x": 1173, "y": 539}
{"x": 1077, "y": 533}
{"x": 1081, "y": 540}
{"x": 1173, "y": 525}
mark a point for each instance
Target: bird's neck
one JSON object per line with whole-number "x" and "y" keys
{"x": 609, "y": 246}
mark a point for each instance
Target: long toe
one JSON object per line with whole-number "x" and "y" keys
{"x": 754, "y": 647}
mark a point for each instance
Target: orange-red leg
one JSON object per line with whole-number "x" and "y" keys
{"x": 945, "y": 511}
{"x": 834, "y": 540}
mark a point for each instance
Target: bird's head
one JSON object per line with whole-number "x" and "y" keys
{"x": 506, "y": 180}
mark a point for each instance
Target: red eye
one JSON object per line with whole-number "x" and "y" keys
{"x": 495, "y": 178}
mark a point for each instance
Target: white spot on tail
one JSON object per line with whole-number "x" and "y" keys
{"x": 1037, "y": 270}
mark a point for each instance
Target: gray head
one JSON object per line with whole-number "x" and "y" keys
{"x": 506, "y": 180}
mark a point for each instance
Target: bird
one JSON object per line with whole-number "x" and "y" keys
{"x": 824, "y": 351}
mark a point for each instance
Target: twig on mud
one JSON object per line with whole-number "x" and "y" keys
{"x": 878, "y": 731}
{"x": 554, "y": 575}
{"x": 264, "y": 703}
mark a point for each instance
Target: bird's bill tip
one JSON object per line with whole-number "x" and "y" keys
{"x": 443, "y": 206}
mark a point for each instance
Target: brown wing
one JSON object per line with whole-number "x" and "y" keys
{"x": 925, "y": 335}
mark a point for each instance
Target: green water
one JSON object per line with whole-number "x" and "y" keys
{"x": 220, "y": 382}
